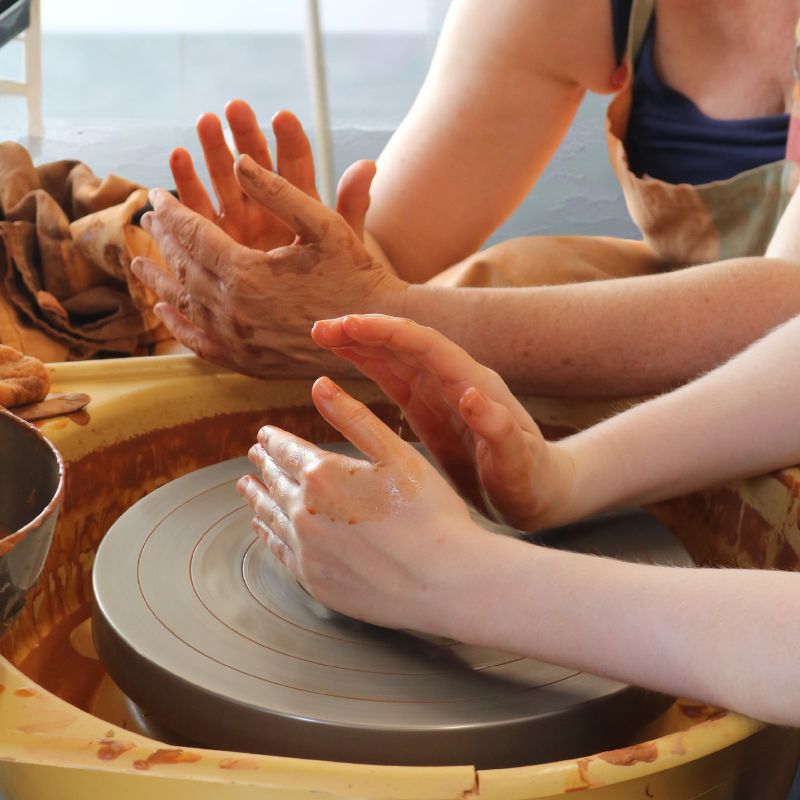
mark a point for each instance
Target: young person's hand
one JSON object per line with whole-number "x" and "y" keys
{"x": 463, "y": 412}
{"x": 384, "y": 540}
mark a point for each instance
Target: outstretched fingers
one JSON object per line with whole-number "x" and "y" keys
{"x": 247, "y": 133}
{"x": 190, "y": 335}
{"x": 294, "y": 154}
{"x": 356, "y": 422}
{"x": 204, "y": 240}
{"x": 270, "y": 523}
{"x": 305, "y": 215}
{"x": 219, "y": 161}
{"x": 405, "y": 339}
{"x": 190, "y": 188}
{"x": 291, "y": 453}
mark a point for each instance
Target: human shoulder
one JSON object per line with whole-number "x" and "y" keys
{"x": 568, "y": 40}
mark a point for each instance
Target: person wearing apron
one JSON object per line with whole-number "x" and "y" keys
{"x": 699, "y": 189}
{"x": 438, "y": 199}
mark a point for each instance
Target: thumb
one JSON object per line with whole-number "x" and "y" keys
{"x": 356, "y": 422}
{"x": 352, "y": 194}
{"x": 306, "y": 216}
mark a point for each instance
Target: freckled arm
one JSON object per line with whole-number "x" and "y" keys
{"x": 612, "y": 338}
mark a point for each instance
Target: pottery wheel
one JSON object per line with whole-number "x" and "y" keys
{"x": 198, "y": 624}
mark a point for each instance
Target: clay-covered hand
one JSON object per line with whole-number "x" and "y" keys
{"x": 463, "y": 412}
{"x": 241, "y": 217}
{"x": 252, "y": 310}
{"x": 385, "y": 540}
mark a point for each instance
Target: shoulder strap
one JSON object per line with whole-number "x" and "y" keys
{"x": 640, "y": 16}
{"x": 620, "y": 23}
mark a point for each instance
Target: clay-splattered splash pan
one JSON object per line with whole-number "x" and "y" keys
{"x": 202, "y": 628}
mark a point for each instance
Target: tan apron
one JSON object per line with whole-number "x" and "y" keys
{"x": 692, "y": 224}
{"x": 681, "y": 224}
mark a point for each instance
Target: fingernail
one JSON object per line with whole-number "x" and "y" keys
{"x": 327, "y": 388}
{"x": 476, "y": 402}
{"x": 147, "y": 221}
{"x": 246, "y": 166}
{"x": 158, "y": 310}
{"x": 242, "y": 484}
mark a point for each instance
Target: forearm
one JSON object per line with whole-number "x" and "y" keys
{"x": 611, "y": 338}
{"x": 737, "y": 421}
{"x": 664, "y": 628}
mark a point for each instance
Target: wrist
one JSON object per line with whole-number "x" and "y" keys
{"x": 393, "y": 297}
{"x": 461, "y": 581}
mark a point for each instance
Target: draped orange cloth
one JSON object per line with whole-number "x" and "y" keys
{"x": 66, "y": 245}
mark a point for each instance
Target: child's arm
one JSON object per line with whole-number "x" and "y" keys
{"x": 738, "y": 420}
{"x": 387, "y": 540}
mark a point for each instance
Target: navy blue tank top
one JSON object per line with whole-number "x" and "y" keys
{"x": 671, "y": 139}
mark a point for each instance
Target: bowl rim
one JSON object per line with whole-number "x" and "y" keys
{"x": 58, "y": 495}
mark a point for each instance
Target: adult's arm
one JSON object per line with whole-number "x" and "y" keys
{"x": 503, "y": 89}
{"x": 253, "y": 311}
{"x": 617, "y": 337}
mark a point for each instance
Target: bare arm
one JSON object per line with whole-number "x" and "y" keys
{"x": 727, "y": 637}
{"x": 603, "y": 339}
{"x": 613, "y": 338}
{"x": 737, "y": 421}
{"x": 504, "y": 86}
{"x": 419, "y": 562}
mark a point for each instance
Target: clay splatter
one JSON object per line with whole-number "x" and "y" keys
{"x": 110, "y": 749}
{"x": 238, "y": 763}
{"x": 166, "y": 757}
{"x": 646, "y": 752}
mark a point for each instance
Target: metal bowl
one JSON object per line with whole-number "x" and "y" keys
{"x": 31, "y": 488}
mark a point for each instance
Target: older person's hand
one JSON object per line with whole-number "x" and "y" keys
{"x": 384, "y": 540}
{"x": 463, "y": 412}
{"x": 252, "y": 310}
{"x": 241, "y": 217}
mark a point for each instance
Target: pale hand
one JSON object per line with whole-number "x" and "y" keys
{"x": 463, "y": 412}
{"x": 384, "y": 540}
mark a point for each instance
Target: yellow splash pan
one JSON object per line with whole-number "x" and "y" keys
{"x": 152, "y": 420}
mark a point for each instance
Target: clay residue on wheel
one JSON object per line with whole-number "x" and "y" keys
{"x": 168, "y": 757}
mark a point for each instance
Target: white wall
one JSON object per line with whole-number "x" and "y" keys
{"x": 229, "y": 16}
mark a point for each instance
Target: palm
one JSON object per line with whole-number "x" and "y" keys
{"x": 246, "y": 221}
{"x": 426, "y": 376}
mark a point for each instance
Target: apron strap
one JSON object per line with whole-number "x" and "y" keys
{"x": 641, "y": 14}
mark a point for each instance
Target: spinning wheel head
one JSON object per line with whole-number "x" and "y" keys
{"x": 198, "y": 624}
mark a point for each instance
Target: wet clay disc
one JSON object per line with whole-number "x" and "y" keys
{"x": 200, "y": 626}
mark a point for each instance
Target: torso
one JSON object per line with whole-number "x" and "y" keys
{"x": 731, "y": 57}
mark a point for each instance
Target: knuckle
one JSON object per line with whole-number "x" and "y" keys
{"x": 507, "y": 426}
{"x": 313, "y": 474}
{"x": 275, "y": 186}
{"x": 187, "y": 229}
{"x": 357, "y": 415}
{"x": 183, "y": 302}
